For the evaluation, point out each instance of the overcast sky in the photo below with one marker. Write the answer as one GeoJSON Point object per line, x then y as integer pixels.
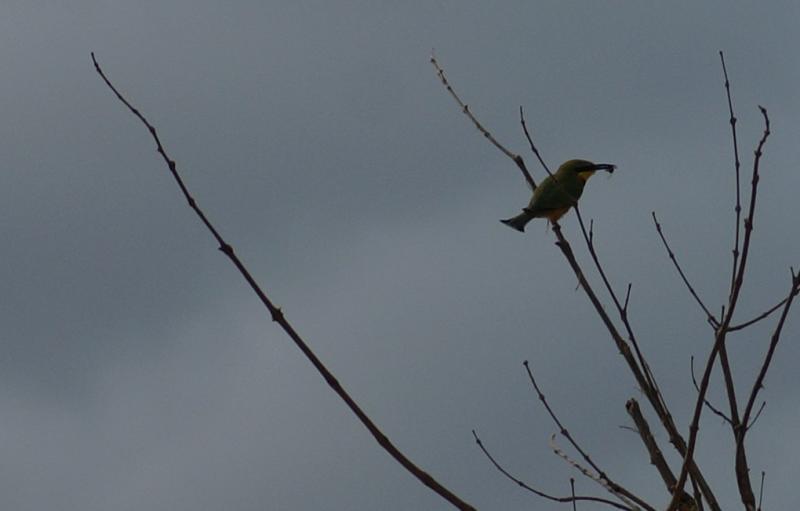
{"type": "Point", "coordinates": [137, 369]}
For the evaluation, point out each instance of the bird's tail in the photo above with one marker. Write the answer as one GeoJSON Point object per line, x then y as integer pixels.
{"type": "Point", "coordinates": [518, 222]}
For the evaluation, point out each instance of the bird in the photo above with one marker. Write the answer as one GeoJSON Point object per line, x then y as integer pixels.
{"type": "Point", "coordinates": [558, 192]}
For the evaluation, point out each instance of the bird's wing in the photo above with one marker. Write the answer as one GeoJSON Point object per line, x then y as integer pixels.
{"type": "Point", "coordinates": [557, 195]}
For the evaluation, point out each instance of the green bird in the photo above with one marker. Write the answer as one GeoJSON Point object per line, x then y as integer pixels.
{"type": "Point", "coordinates": [557, 193]}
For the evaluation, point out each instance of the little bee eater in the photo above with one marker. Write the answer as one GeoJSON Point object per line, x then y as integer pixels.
{"type": "Point", "coordinates": [557, 193]}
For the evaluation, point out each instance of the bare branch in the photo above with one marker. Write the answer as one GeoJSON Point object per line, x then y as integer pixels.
{"type": "Point", "coordinates": [517, 159]}
{"type": "Point", "coordinates": [737, 165]}
{"type": "Point", "coordinates": [745, 488]}
{"type": "Point", "coordinates": [651, 390]}
{"type": "Point", "coordinates": [757, 415]}
{"type": "Point", "coordinates": [710, 317]}
{"type": "Point", "coordinates": [626, 498]}
{"type": "Point", "coordinates": [711, 407]}
{"type": "Point", "coordinates": [653, 397]}
{"type": "Point", "coordinates": [627, 297]}
{"type": "Point", "coordinates": [761, 316]}
{"type": "Point", "coordinates": [540, 493]}
{"type": "Point", "coordinates": [656, 457]}
{"type": "Point", "coordinates": [616, 487]}
{"type": "Point", "coordinates": [278, 317]}
{"type": "Point", "coordinates": [564, 432]}
{"type": "Point", "coordinates": [572, 492]}
{"type": "Point", "coordinates": [776, 335]}
{"type": "Point", "coordinates": [698, 496]}
{"type": "Point", "coordinates": [533, 147]}
{"type": "Point", "coordinates": [651, 385]}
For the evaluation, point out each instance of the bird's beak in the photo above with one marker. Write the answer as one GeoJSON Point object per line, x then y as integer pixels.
{"type": "Point", "coordinates": [604, 166]}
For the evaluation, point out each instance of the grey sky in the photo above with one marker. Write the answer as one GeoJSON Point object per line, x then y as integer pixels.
{"type": "Point", "coordinates": [139, 372]}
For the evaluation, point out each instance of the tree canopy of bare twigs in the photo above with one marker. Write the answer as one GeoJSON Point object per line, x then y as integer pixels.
{"type": "Point", "coordinates": [625, 341]}
{"type": "Point", "coordinates": [743, 398]}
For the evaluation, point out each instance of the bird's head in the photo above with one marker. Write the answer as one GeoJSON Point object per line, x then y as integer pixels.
{"type": "Point", "coordinates": [584, 168]}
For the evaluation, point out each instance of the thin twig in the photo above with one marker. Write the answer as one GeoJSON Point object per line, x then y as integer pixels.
{"type": "Point", "coordinates": [465, 108]}
{"type": "Point", "coordinates": [278, 317]}
{"type": "Point", "coordinates": [564, 432]}
{"type": "Point", "coordinates": [711, 407]}
{"type": "Point", "coordinates": [652, 386]}
{"type": "Point", "coordinates": [737, 165]}
{"type": "Point", "coordinates": [776, 335]}
{"type": "Point", "coordinates": [710, 317]}
{"type": "Point", "coordinates": [698, 495]}
{"type": "Point", "coordinates": [572, 492]}
{"type": "Point", "coordinates": [757, 415]}
{"type": "Point", "coordinates": [530, 141]}
{"type": "Point", "coordinates": [627, 297]}
{"type": "Point", "coordinates": [531, 489]}
{"type": "Point", "coordinates": [758, 318]}
{"type": "Point", "coordinates": [761, 491]}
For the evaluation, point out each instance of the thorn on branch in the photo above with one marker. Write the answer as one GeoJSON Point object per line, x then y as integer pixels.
{"type": "Point", "coordinates": [226, 249]}
{"type": "Point", "coordinates": [277, 315]}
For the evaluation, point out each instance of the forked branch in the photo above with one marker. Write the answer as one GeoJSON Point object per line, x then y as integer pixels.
{"type": "Point", "coordinates": [602, 476]}
{"type": "Point", "coordinates": [522, 484]}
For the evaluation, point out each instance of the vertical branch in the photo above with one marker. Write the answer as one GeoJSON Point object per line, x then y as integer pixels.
{"type": "Point", "coordinates": [277, 316]}
{"type": "Point", "coordinates": [737, 165]}
{"type": "Point", "coordinates": [572, 492]}
{"type": "Point", "coordinates": [743, 478]}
